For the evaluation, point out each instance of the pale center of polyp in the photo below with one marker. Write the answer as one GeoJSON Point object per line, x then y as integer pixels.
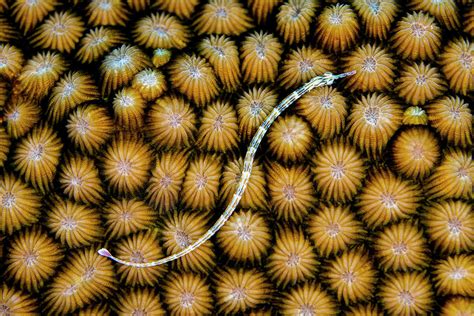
{"type": "Point", "coordinates": [124, 168]}
{"type": "Point", "coordinates": [8, 200]}
{"type": "Point", "coordinates": [326, 102]}
{"type": "Point", "coordinates": [70, 290]}
{"type": "Point", "coordinates": [374, 6]}
{"type": "Point", "coordinates": [187, 300]}
{"type": "Point", "coordinates": [137, 257]}
{"type": "Point", "coordinates": [306, 310]}
{"type": "Point", "coordinates": [161, 31]}
{"type": "Point", "coordinates": [182, 239]}
{"type": "Point", "coordinates": [466, 60]}
{"type": "Point", "coordinates": [59, 29]}
{"type": "Point", "coordinates": [335, 18]}
{"type": "Point", "coordinates": [194, 72]}
{"type": "Point", "coordinates": [256, 108]}
{"type": "Point", "coordinates": [126, 101]}
{"type": "Point", "coordinates": [260, 50]}
{"type": "Point", "coordinates": [4, 309]}
{"type": "Point", "coordinates": [305, 65]}
{"type": "Point", "coordinates": [332, 230]}
{"type": "Point", "coordinates": [68, 89]}
{"type": "Point", "coordinates": [201, 181]}
{"type": "Point", "coordinates": [369, 64]}
{"type": "Point", "coordinates": [400, 249]}
{"type": "Point", "coordinates": [289, 192]}
{"type": "Point", "coordinates": [221, 13]}
{"type": "Point", "coordinates": [82, 126]}
{"type": "Point", "coordinates": [293, 260]}
{"type": "Point", "coordinates": [417, 151]}
{"type": "Point", "coordinates": [348, 277]}
{"type": "Point", "coordinates": [120, 62]}
{"type": "Point", "coordinates": [458, 273]}
{"type": "Point", "coordinates": [165, 181]}
{"type": "Point", "coordinates": [243, 232]}
{"type": "Point", "coordinates": [36, 153]}
{"type": "Point", "coordinates": [30, 259]}
{"type": "Point", "coordinates": [3, 61]}
{"type": "Point", "coordinates": [418, 30]}
{"type": "Point", "coordinates": [175, 120]}
{"type": "Point", "coordinates": [454, 226]}
{"type": "Point", "coordinates": [388, 200]}
{"type": "Point", "coordinates": [88, 273]}
{"type": "Point", "coordinates": [406, 298]}
{"type": "Point", "coordinates": [148, 79]}
{"type": "Point", "coordinates": [238, 294]}
{"type": "Point", "coordinates": [337, 171]}
{"type": "Point", "coordinates": [68, 224]}
{"type": "Point", "coordinates": [76, 181]}
{"type": "Point", "coordinates": [105, 5]}
{"type": "Point", "coordinates": [43, 68]}
{"type": "Point", "coordinates": [371, 115]}
{"type": "Point", "coordinates": [421, 80]}
{"type": "Point", "coordinates": [218, 123]}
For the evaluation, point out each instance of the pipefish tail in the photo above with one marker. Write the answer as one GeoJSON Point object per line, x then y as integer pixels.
{"type": "Point", "coordinates": [324, 80]}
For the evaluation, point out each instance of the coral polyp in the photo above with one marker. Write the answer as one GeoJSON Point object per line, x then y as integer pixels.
{"type": "Point", "coordinates": [161, 31]}
{"type": "Point", "coordinates": [333, 228]}
{"type": "Point", "coordinates": [179, 230]}
{"type": "Point", "coordinates": [260, 53]}
{"type": "Point", "coordinates": [337, 28]}
{"type": "Point", "coordinates": [239, 290]}
{"type": "Point", "coordinates": [37, 157]}
{"type": "Point", "coordinates": [166, 180]}
{"type": "Point", "coordinates": [338, 170]}
{"type": "Point", "coordinates": [194, 77]}
{"type": "Point", "coordinates": [294, 18]}
{"type": "Point", "coordinates": [218, 131]}
{"type": "Point", "coordinates": [140, 247]}
{"type": "Point", "coordinates": [452, 118]}
{"type": "Point", "coordinates": [20, 204]}
{"type": "Point", "coordinates": [171, 122]}
{"type": "Point", "coordinates": [245, 236]}
{"type": "Point", "coordinates": [387, 198]}
{"type": "Point", "coordinates": [417, 36]}
{"type": "Point", "coordinates": [415, 152]}
{"type": "Point", "coordinates": [450, 225]}
{"type": "Point", "coordinates": [227, 17]}
{"type": "Point", "coordinates": [373, 120]}
{"type": "Point", "coordinates": [290, 138]}
{"type": "Point", "coordinates": [293, 258]}
{"type": "Point", "coordinates": [352, 276]}
{"type": "Point", "coordinates": [60, 32]}
{"type": "Point", "coordinates": [186, 292]}
{"type": "Point", "coordinates": [291, 191]}
{"type": "Point", "coordinates": [303, 64]}
{"type": "Point", "coordinates": [375, 68]}
{"type": "Point", "coordinates": [457, 64]}
{"type": "Point", "coordinates": [125, 216]}
{"type": "Point", "coordinates": [326, 109]}
{"type": "Point", "coordinates": [32, 258]}
{"type": "Point", "coordinates": [126, 164]}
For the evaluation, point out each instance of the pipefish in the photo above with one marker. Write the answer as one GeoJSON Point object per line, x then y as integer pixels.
{"type": "Point", "coordinates": [324, 80]}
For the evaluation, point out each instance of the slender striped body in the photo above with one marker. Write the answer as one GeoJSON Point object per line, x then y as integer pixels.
{"type": "Point", "coordinates": [326, 79]}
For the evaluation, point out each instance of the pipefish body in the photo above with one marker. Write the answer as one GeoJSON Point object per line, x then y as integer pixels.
{"type": "Point", "coordinates": [324, 80]}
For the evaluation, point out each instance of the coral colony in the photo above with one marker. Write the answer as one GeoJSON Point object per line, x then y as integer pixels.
{"type": "Point", "coordinates": [236, 157]}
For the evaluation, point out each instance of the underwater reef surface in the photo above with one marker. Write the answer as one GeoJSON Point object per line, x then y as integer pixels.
{"type": "Point", "coordinates": [124, 124]}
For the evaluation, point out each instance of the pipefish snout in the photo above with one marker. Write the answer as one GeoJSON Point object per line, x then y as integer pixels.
{"type": "Point", "coordinates": [324, 80]}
